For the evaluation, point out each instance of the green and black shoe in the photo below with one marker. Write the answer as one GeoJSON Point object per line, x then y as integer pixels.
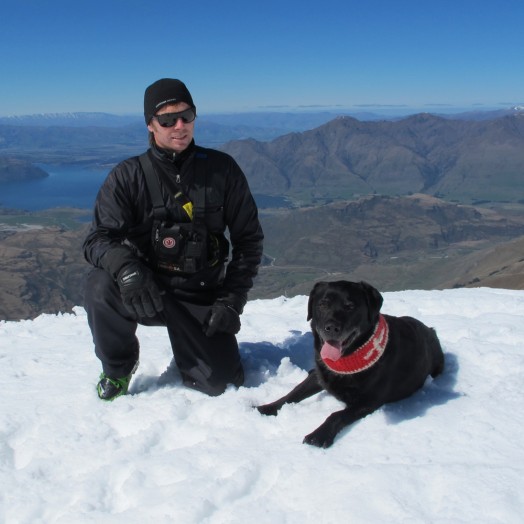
{"type": "Point", "coordinates": [110, 388]}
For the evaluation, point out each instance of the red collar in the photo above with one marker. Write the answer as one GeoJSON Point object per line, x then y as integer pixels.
{"type": "Point", "coordinates": [366, 355]}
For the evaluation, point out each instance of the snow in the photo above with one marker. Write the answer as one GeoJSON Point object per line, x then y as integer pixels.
{"type": "Point", "coordinates": [450, 454]}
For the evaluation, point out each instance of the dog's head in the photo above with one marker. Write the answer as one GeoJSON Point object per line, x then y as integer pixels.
{"type": "Point", "coordinates": [342, 315]}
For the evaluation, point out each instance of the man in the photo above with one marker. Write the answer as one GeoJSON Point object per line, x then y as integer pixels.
{"type": "Point", "coordinates": [162, 260]}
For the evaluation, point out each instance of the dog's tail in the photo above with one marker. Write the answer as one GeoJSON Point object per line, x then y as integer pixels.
{"type": "Point", "coordinates": [436, 354]}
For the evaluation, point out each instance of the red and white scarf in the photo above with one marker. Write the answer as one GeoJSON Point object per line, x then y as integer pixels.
{"type": "Point", "coordinates": [366, 355]}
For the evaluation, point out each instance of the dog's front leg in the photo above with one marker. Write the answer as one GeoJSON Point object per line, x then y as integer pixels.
{"type": "Point", "coordinates": [308, 387]}
{"type": "Point", "coordinates": [325, 434]}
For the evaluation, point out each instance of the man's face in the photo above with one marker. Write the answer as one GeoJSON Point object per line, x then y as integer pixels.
{"type": "Point", "coordinates": [177, 137]}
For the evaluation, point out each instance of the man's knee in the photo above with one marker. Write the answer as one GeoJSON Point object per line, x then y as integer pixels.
{"type": "Point", "coordinates": [102, 294]}
{"type": "Point", "coordinates": [204, 379]}
{"type": "Point", "coordinates": [99, 286]}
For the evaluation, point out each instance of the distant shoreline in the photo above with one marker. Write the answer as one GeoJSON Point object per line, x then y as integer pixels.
{"type": "Point", "coordinates": [13, 169]}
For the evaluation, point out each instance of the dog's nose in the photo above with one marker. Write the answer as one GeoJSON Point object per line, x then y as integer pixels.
{"type": "Point", "coordinates": [332, 328]}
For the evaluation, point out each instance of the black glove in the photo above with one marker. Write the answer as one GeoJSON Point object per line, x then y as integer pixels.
{"type": "Point", "coordinates": [140, 293]}
{"type": "Point", "coordinates": [221, 317]}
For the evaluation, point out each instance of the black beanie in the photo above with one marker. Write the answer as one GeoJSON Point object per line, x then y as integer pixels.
{"type": "Point", "coordinates": [163, 92]}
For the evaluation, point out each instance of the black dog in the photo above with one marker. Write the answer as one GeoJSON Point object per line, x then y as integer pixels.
{"type": "Point", "coordinates": [364, 358]}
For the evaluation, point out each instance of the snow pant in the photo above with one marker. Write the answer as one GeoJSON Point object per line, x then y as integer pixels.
{"type": "Point", "coordinates": [207, 364]}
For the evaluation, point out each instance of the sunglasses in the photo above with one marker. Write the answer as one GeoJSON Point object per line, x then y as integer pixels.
{"type": "Point", "coordinates": [170, 119]}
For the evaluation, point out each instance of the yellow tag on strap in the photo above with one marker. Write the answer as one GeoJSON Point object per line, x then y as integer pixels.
{"type": "Point", "coordinates": [186, 204]}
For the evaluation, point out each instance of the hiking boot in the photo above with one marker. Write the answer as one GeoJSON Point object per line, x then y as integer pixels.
{"type": "Point", "coordinates": [110, 388]}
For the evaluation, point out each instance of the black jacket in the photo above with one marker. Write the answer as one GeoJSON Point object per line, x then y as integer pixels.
{"type": "Point", "coordinates": [123, 221]}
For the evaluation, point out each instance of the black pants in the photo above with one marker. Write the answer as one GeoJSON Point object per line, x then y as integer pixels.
{"type": "Point", "coordinates": [207, 364]}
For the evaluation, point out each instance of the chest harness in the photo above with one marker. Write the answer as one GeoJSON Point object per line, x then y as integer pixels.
{"type": "Point", "coordinates": [182, 247]}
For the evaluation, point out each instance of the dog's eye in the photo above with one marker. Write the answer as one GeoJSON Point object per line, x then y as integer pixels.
{"type": "Point", "coordinates": [349, 306]}
{"type": "Point", "coordinates": [323, 304]}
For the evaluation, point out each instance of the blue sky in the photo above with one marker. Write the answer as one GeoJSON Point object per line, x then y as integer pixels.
{"type": "Point", "coordinates": [245, 55]}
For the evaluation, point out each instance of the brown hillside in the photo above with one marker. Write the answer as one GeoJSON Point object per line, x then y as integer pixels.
{"type": "Point", "coordinates": [458, 160]}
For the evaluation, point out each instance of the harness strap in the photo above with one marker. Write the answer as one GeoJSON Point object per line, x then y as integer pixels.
{"type": "Point", "coordinates": [199, 205]}
{"type": "Point", "coordinates": [154, 184]}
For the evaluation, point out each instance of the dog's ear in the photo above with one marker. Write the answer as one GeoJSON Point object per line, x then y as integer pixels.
{"type": "Point", "coordinates": [373, 298]}
{"type": "Point", "coordinates": [311, 300]}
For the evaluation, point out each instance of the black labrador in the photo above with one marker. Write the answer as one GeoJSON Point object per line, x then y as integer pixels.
{"type": "Point", "coordinates": [363, 357]}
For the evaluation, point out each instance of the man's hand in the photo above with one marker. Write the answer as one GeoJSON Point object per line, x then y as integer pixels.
{"type": "Point", "coordinates": [140, 293]}
{"type": "Point", "coordinates": [222, 317]}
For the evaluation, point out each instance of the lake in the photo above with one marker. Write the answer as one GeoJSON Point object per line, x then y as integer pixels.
{"type": "Point", "coordinates": [66, 186]}
{"type": "Point", "coordinates": [74, 186]}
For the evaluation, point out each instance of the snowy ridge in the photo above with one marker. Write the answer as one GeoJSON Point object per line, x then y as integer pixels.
{"type": "Point", "coordinates": [450, 454]}
{"type": "Point", "coordinates": [74, 119]}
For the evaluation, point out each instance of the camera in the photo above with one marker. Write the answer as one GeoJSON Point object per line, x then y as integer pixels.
{"type": "Point", "coordinates": [179, 248]}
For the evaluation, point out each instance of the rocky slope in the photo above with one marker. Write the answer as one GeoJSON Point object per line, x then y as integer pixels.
{"type": "Point", "coordinates": [42, 271]}
{"type": "Point", "coordinates": [396, 243]}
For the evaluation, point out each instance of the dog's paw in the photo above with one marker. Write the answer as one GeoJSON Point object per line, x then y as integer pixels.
{"type": "Point", "coordinates": [319, 439]}
{"type": "Point", "coordinates": [268, 409]}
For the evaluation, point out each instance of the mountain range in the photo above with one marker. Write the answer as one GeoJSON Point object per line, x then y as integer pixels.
{"type": "Point", "coordinates": [102, 137]}
{"type": "Point", "coordinates": [422, 202]}
{"type": "Point", "coordinates": [458, 160]}
{"type": "Point", "coordinates": [282, 121]}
